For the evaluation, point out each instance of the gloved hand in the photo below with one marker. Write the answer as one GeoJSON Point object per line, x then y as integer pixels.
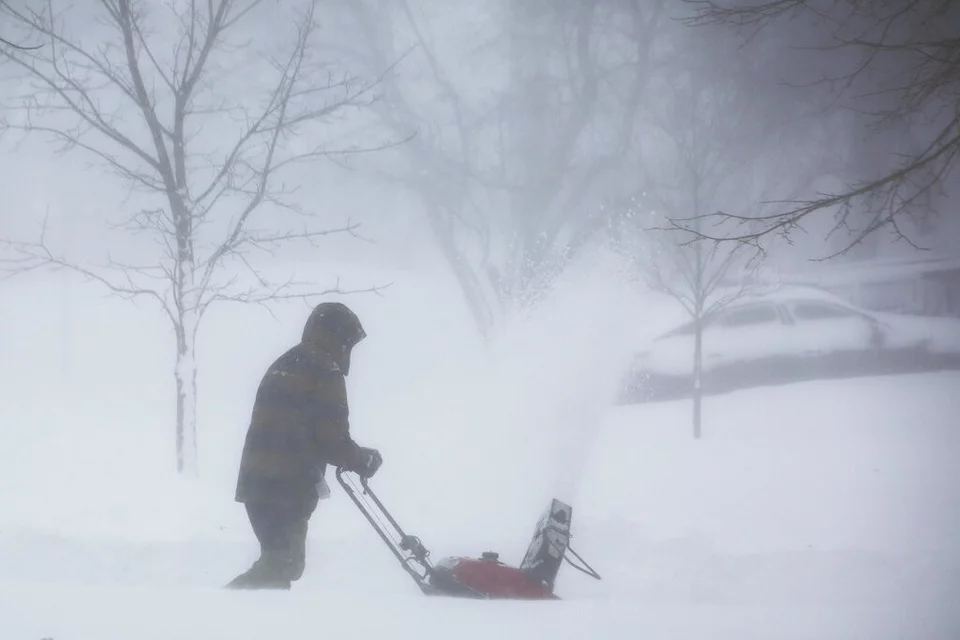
{"type": "Point", "coordinates": [368, 463]}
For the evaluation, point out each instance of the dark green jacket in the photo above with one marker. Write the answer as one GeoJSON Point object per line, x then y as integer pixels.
{"type": "Point", "coordinates": [299, 424]}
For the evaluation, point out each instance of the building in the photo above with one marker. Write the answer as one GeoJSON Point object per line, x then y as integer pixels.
{"type": "Point", "coordinates": [923, 286]}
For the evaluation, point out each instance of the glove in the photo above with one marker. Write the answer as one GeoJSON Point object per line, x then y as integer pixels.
{"type": "Point", "coordinates": [369, 461]}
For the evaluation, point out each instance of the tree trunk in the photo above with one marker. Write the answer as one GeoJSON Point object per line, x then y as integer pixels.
{"type": "Point", "coordinates": [187, 319]}
{"type": "Point", "coordinates": [468, 279]}
{"type": "Point", "coordinates": [701, 301]}
{"type": "Point", "coordinates": [697, 374]}
{"type": "Point", "coordinates": [185, 373]}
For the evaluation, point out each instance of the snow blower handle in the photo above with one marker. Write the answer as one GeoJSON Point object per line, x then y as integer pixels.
{"type": "Point", "coordinates": [414, 546]}
{"type": "Point", "coordinates": [396, 539]}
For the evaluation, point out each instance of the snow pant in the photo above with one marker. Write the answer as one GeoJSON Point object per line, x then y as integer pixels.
{"type": "Point", "coordinates": [282, 534]}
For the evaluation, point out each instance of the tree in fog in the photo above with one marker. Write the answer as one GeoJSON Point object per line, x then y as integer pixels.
{"type": "Point", "coordinates": [896, 66]}
{"type": "Point", "coordinates": [708, 146]}
{"type": "Point", "coordinates": [698, 278]}
{"type": "Point", "coordinates": [171, 99]}
{"type": "Point", "coordinates": [8, 260]}
{"type": "Point", "coordinates": [522, 112]}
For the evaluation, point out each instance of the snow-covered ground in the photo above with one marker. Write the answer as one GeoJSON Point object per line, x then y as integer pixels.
{"type": "Point", "coordinates": [818, 510]}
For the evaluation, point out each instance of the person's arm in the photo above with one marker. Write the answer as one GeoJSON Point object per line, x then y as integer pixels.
{"type": "Point", "coordinates": [329, 426]}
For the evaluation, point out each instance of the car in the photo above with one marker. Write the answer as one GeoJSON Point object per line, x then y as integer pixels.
{"type": "Point", "coordinates": [790, 334]}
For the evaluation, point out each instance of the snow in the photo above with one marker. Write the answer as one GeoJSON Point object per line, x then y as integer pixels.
{"type": "Point", "coordinates": [825, 509]}
{"type": "Point", "coordinates": [152, 614]}
{"type": "Point", "coordinates": [673, 354]}
{"type": "Point", "coordinates": [940, 334]}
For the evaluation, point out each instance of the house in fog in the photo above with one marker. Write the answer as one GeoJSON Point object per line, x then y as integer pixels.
{"type": "Point", "coordinates": [924, 286]}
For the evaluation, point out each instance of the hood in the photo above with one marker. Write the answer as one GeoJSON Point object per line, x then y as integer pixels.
{"type": "Point", "coordinates": [320, 334]}
{"type": "Point", "coordinates": [323, 341]}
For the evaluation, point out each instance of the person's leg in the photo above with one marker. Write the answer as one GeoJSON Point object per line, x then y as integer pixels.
{"type": "Point", "coordinates": [282, 533]}
{"type": "Point", "coordinates": [269, 526]}
{"type": "Point", "coordinates": [292, 556]}
{"type": "Point", "coordinates": [292, 540]}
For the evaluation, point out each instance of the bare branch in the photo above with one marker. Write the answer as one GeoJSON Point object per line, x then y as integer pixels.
{"type": "Point", "coordinates": [267, 294]}
{"type": "Point", "coordinates": [33, 256]}
{"type": "Point", "coordinates": [18, 46]}
{"type": "Point", "coordinates": [896, 192]}
{"type": "Point", "coordinates": [908, 71]}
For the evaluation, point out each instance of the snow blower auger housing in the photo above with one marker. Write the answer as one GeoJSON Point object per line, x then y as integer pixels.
{"type": "Point", "coordinates": [484, 577]}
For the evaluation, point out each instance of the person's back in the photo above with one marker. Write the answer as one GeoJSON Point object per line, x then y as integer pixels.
{"type": "Point", "coordinates": [277, 464]}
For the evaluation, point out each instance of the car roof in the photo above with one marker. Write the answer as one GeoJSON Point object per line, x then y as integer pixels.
{"type": "Point", "coordinates": [788, 293]}
{"type": "Point", "coordinates": [784, 294]}
{"type": "Point", "coordinates": [776, 294]}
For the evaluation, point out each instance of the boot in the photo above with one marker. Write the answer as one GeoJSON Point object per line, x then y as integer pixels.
{"type": "Point", "coordinates": [266, 573]}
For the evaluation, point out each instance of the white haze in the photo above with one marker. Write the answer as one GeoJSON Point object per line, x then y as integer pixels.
{"type": "Point", "coordinates": [826, 509]}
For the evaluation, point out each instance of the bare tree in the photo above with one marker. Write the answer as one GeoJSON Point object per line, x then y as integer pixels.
{"type": "Point", "coordinates": [697, 277]}
{"type": "Point", "coordinates": [897, 65]}
{"type": "Point", "coordinates": [510, 157]}
{"type": "Point", "coordinates": [139, 102]}
{"type": "Point", "coordinates": [707, 139]}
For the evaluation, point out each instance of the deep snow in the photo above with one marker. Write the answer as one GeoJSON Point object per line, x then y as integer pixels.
{"type": "Point", "coordinates": [817, 510]}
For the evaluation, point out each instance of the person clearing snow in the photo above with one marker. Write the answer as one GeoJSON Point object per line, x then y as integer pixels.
{"type": "Point", "coordinates": [299, 425]}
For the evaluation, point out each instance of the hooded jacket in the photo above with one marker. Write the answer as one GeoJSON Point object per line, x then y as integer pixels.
{"type": "Point", "coordinates": [299, 423]}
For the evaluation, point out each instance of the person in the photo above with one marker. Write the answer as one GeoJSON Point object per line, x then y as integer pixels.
{"type": "Point", "coordinates": [299, 425]}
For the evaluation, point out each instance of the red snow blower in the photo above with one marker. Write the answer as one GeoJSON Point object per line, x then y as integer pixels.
{"type": "Point", "coordinates": [484, 577]}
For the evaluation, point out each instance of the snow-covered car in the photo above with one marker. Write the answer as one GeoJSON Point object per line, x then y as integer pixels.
{"type": "Point", "coordinates": [791, 334]}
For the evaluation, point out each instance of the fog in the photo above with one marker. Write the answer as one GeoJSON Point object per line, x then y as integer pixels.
{"type": "Point", "coordinates": [554, 220]}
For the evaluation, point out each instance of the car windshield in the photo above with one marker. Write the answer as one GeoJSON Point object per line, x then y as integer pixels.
{"type": "Point", "coordinates": [738, 317]}
{"type": "Point", "coordinates": [810, 310]}
{"type": "Point", "coordinates": [747, 316]}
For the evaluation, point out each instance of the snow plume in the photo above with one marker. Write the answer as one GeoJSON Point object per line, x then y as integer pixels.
{"type": "Point", "coordinates": [528, 413]}
{"type": "Point", "coordinates": [560, 367]}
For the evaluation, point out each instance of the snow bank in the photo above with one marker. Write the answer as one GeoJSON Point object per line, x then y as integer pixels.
{"type": "Point", "coordinates": [155, 614]}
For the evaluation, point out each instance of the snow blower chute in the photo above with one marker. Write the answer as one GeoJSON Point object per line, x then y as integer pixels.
{"type": "Point", "coordinates": [484, 577]}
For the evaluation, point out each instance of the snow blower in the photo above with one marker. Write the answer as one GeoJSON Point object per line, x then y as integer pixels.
{"type": "Point", "coordinates": [485, 577]}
